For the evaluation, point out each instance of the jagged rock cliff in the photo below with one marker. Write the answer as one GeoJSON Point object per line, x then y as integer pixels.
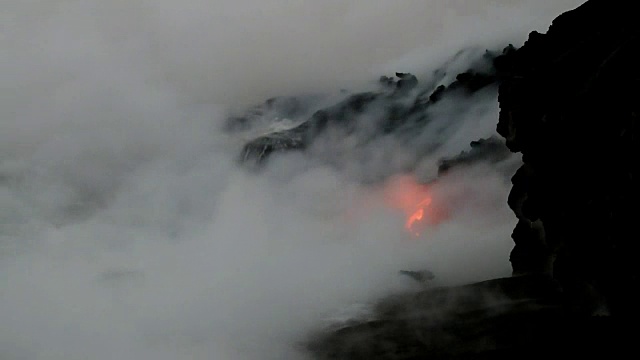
{"type": "Point", "coordinates": [569, 102]}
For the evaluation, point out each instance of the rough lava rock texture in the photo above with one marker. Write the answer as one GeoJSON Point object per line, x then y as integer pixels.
{"type": "Point", "coordinates": [569, 102]}
{"type": "Point", "coordinates": [491, 149]}
{"type": "Point", "coordinates": [400, 106]}
{"type": "Point", "coordinates": [521, 317]}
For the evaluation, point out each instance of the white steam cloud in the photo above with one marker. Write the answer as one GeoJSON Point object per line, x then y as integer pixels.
{"type": "Point", "coordinates": [127, 230]}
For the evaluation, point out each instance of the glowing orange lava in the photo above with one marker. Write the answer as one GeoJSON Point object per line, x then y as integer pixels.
{"type": "Point", "coordinates": [414, 199]}
{"type": "Point", "coordinates": [417, 215]}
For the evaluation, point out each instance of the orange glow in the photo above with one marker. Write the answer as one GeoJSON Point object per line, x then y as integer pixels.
{"type": "Point", "coordinates": [414, 199]}
{"type": "Point", "coordinates": [416, 216]}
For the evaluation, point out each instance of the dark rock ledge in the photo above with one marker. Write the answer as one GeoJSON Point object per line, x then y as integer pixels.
{"type": "Point", "coordinates": [401, 106]}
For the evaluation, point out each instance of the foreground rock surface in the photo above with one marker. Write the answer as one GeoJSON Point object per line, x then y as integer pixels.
{"type": "Point", "coordinates": [518, 317]}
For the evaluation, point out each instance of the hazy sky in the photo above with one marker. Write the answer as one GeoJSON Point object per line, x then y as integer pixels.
{"type": "Point", "coordinates": [252, 49]}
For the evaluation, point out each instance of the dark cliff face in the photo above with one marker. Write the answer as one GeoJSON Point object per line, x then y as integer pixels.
{"type": "Point", "coordinates": [569, 102]}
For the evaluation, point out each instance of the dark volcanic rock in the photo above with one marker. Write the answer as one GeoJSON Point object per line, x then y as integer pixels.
{"type": "Point", "coordinates": [418, 275]}
{"type": "Point", "coordinates": [569, 102]}
{"type": "Point", "coordinates": [299, 137]}
{"type": "Point", "coordinates": [407, 82]}
{"type": "Point", "coordinates": [399, 104]}
{"type": "Point", "coordinates": [510, 318]}
{"type": "Point", "coordinates": [259, 149]}
{"type": "Point", "coordinates": [282, 107]}
{"type": "Point", "coordinates": [491, 150]}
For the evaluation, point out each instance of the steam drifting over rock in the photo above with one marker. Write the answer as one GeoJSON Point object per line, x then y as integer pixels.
{"type": "Point", "coordinates": [130, 230]}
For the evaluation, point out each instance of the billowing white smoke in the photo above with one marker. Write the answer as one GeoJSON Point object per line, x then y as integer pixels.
{"type": "Point", "coordinates": [128, 232]}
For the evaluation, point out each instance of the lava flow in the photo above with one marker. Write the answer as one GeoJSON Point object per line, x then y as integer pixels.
{"type": "Point", "coordinates": [417, 215]}
{"type": "Point", "coordinates": [414, 199]}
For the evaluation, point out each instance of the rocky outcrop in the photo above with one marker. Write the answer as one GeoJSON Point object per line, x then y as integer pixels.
{"type": "Point", "coordinates": [256, 151]}
{"type": "Point", "coordinates": [400, 103]}
{"type": "Point", "coordinates": [491, 150]}
{"type": "Point", "coordinates": [520, 317]}
{"type": "Point", "coordinates": [282, 107]}
{"type": "Point", "coordinates": [569, 102]}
